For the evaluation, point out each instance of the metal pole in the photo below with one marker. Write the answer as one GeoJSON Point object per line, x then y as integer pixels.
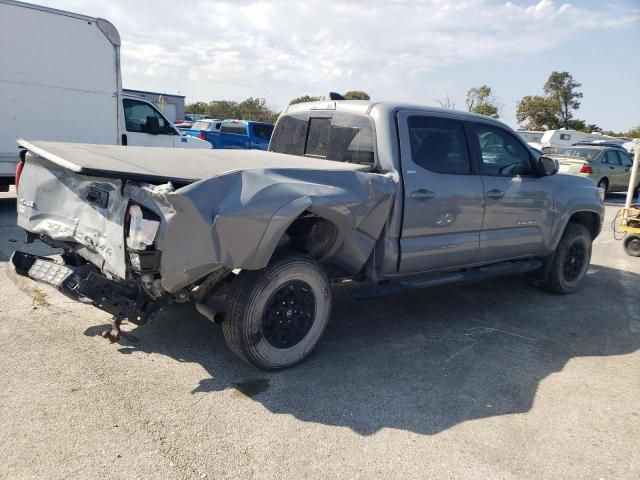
{"type": "Point", "coordinates": [634, 176]}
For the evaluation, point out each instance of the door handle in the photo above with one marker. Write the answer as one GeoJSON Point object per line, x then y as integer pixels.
{"type": "Point", "coordinates": [422, 194]}
{"type": "Point", "coordinates": [611, 168]}
{"type": "Point", "coordinates": [495, 193]}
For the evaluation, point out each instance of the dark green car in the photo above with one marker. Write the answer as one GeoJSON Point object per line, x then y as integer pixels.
{"type": "Point", "coordinates": [609, 167]}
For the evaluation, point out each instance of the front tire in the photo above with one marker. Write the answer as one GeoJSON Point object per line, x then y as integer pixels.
{"type": "Point", "coordinates": [570, 260]}
{"type": "Point", "coordinates": [277, 315]}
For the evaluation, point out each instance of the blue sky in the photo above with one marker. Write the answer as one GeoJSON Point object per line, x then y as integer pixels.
{"type": "Point", "coordinates": [407, 50]}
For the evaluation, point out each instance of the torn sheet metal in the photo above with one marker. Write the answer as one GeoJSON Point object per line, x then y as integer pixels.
{"type": "Point", "coordinates": [234, 217]}
{"type": "Point", "coordinates": [237, 219]}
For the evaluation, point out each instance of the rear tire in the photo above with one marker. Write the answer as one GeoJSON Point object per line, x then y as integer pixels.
{"type": "Point", "coordinates": [632, 245]}
{"type": "Point", "coordinates": [276, 316]}
{"type": "Point", "coordinates": [604, 184]}
{"type": "Point", "coordinates": [570, 260]}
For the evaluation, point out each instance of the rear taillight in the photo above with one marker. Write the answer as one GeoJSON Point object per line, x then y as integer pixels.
{"type": "Point", "coordinates": [201, 136]}
{"type": "Point", "coordinates": [19, 168]}
{"type": "Point", "coordinates": [586, 168]}
{"type": "Point", "coordinates": [142, 228]}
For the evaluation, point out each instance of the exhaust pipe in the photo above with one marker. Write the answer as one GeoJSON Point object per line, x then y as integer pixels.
{"type": "Point", "coordinates": [212, 309]}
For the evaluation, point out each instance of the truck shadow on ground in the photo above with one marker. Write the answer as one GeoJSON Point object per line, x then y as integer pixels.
{"type": "Point", "coordinates": [421, 362]}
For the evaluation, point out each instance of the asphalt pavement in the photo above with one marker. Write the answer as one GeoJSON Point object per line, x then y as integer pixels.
{"type": "Point", "coordinates": [493, 380]}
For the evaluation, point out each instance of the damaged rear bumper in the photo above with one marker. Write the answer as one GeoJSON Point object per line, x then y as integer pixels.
{"type": "Point", "coordinates": [85, 283]}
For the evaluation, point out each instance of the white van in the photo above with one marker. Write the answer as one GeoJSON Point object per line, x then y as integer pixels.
{"type": "Point", "coordinates": [60, 80]}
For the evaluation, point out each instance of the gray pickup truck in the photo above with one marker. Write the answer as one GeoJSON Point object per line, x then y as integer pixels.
{"type": "Point", "coordinates": [387, 196]}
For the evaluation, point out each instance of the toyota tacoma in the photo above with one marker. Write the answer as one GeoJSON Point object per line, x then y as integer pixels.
{"type": "Point", "coordinates": [387, 196]}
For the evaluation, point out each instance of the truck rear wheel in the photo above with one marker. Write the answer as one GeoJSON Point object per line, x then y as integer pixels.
{"type": "Point", "coordinates": [276, 316]}
{"type": "Point", "coordinates": [570, 260]}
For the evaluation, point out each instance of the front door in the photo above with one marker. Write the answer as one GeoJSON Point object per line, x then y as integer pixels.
{"type": "Point", "coordinates": [518, 212]}
{"type": "Point", "coordinates": [138, 118]}
{"type": "Point", "coordinates": [443, 198]}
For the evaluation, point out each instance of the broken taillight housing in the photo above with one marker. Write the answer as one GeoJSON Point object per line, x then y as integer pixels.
{"type": "Point", "coordinates": [142, 228]}
{"type": "Point", "coordinates": [19, 168]}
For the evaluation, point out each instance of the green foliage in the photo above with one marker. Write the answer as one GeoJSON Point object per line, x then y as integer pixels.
{"type": "Point", "coordinates": [481, 100]}
{"type": "Point", "coordinates": [198, 107]}
{"type": "Point", "coordinates": [562, 89]}
{"type": "Point", "coordinates": [554, 109]}
{"type": "Point", "coordinates": [535, 112]}
{"type": "Point", "coordinates": [356, 95]}
{"type": "Point", "coordinates": [249, 109]}
{"type": "Point", "coordinates": [631, 133]}
{"type": "Point", "coordinates": [303, 99]}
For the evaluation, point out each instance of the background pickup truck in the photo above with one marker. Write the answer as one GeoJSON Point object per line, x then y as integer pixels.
{"type": "Point", "coordinates": [391, 197]}
{"type": "Point", "coordinates": [239, 134]}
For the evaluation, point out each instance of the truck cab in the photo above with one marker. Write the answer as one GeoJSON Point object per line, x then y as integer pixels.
{"type": "Point", "coordinates": [240, 134]}
{"type": "Point", "coordinates": [144, 125]}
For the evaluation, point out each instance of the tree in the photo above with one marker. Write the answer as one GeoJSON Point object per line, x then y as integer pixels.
{"type": "Point", "coordinates": [356, 95]}
{"type": "Point", "coordinates": [448, 103]}
{"type": "Point", "coordinates": [197, 107]}
{"type": "Point", "coordinates": [535, 112]}
{"type": "Point", "coordinates": [304, 98]}
{"type": "Point", "coordinates": [480, 100]}
{"type": "Point", "coordinates": [561, 88]}
{"type": "Point", "coordinates": [223, 109]}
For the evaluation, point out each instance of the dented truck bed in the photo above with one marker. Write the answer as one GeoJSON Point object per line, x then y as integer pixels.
{"type": "Point", "coordinates": [215, 208]}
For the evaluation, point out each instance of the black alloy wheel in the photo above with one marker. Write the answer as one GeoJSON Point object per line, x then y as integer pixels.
{"type": "Point", "coordinates": [289, 314]}
{"type": "Point", "coordinates": [574, 261]}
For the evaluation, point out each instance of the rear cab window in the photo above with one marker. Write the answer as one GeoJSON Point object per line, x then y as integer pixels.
{"type": "Point", "coordinates": [338, 136]}
{"type": "Point", "coordinates": [235, 128]}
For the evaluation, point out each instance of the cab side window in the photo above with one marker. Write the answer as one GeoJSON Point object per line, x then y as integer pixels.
{"type": "Point", "coordinates": [502, 154]}
{"type": "Point", "coordinates": [138, 116]}
{"type": "Point", "coordinates": [439, 145]}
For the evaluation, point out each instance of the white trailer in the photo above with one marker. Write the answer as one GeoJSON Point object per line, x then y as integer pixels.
{"type": "Point", "coordinates": [60, 80]}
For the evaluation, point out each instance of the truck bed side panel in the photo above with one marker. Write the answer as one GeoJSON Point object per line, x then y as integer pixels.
{"type": "Point", "coordinates": [225, 220]}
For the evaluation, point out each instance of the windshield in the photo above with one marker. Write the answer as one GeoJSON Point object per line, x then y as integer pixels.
{"type": "Point", "coordinates": [586, 153]}
{"type": "Point", "coordinates": [532, 136]}
{"type": "Point", "coordinates": [200, 125]}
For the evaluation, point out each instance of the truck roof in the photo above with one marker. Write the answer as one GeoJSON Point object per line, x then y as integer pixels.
{"type": "Point", "coordinates": [364, 107]}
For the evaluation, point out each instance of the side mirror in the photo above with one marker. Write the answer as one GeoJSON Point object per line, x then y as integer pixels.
{"type": "Point", "coordinates": [152, 125]}
{"type": "Point", "coordinates": [547, 166]}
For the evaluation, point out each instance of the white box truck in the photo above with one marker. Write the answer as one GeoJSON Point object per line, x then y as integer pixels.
{"type": "Point", "coordinates": [60, 80]}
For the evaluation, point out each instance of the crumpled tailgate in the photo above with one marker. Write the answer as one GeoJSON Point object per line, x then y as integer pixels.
{"type": "Point", "coordinates": [86, 211]}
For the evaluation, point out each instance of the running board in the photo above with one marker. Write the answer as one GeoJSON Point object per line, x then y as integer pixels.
{"type": "Point", "coordinates": [468, 276]}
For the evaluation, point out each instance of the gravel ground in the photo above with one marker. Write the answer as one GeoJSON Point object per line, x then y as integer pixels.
{"type": "Point", "coordinates": [493, 380]}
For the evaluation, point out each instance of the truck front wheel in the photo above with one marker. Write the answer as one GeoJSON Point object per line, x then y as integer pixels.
{"type": "Point", "coordinates": [570, 260]}
{"type": "Point", "coordinates": [276, 316]}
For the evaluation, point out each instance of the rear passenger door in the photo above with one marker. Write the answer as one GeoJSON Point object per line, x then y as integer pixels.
{"type": "Point", "coordinates": [233, 134]}
{"type": "Point", "coordinates": [443, 198]}
{"type": "Point", "coordinates": [614, 169]}
{"type": "Point", "coordinates": [518, 211]}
